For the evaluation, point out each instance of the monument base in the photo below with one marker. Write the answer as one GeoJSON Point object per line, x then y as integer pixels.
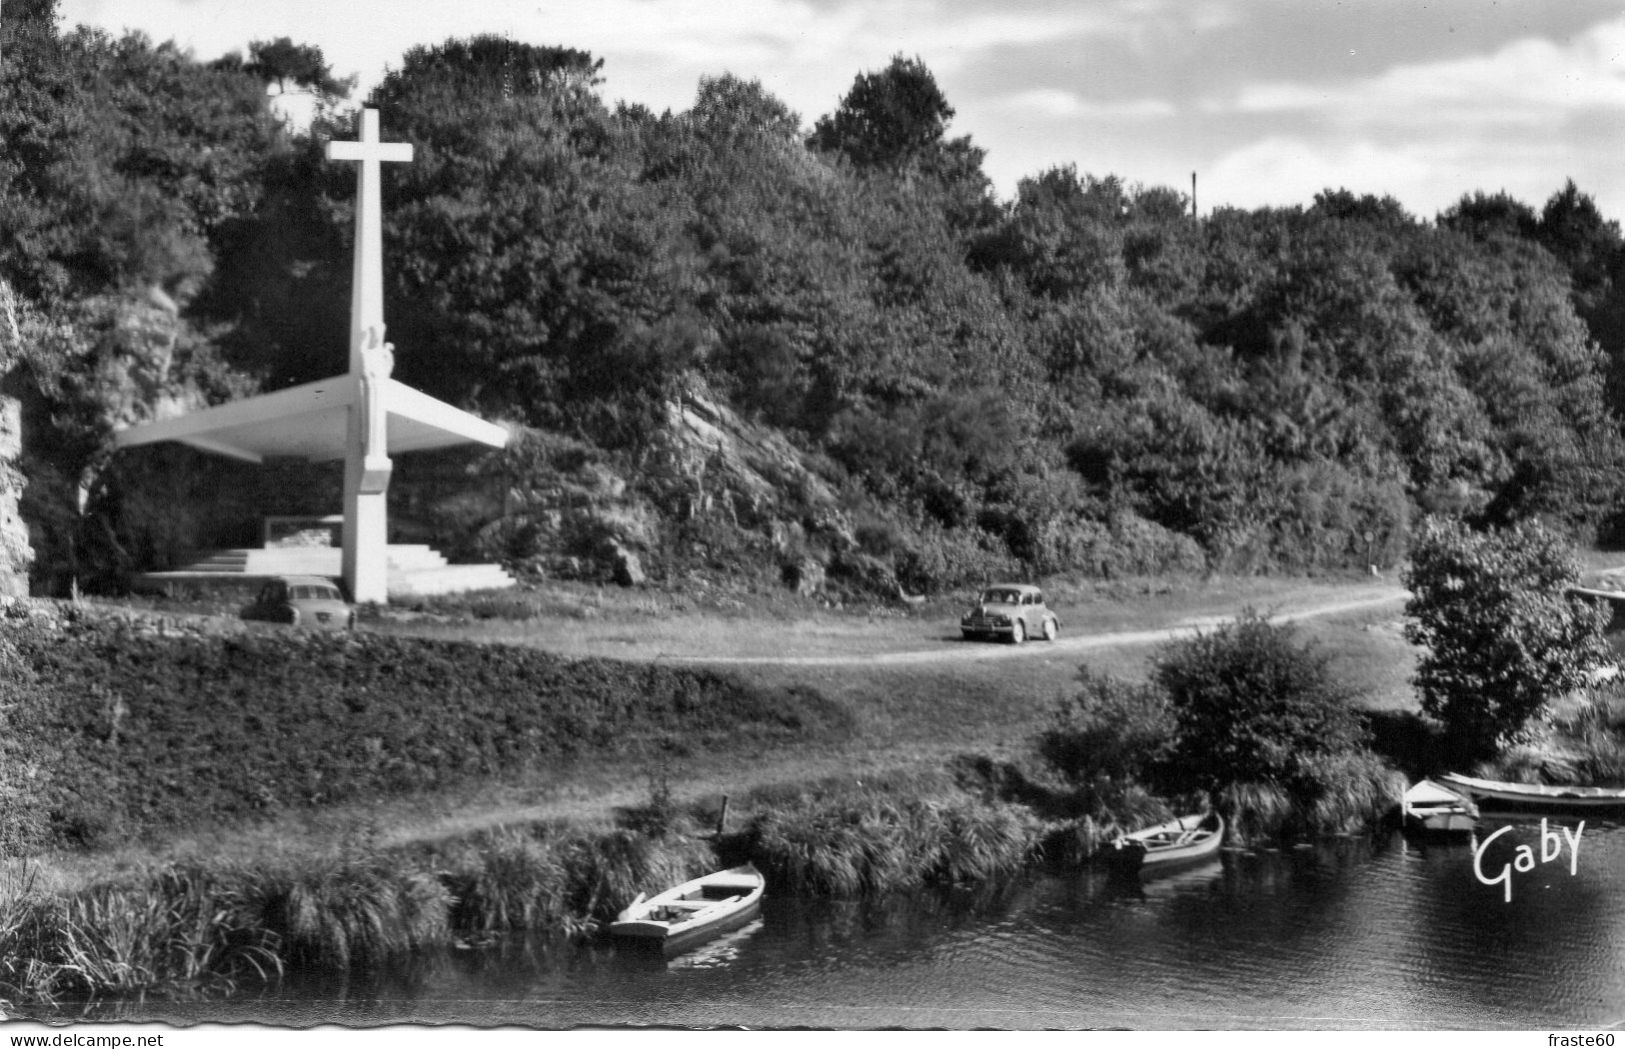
{"type": "Point", "coordinates": [414, 570]}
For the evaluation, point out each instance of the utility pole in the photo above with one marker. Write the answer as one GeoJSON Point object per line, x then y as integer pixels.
{"type": "Point", "coordinates": [1193, 194]}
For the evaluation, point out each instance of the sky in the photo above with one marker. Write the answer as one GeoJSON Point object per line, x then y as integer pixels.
{"type": "Point", "coordinates": [1267, 102]}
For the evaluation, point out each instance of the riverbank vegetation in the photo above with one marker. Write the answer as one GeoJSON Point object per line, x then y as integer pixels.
{"type": "Point", "coordinates": [1244, 717]}
{"type": "Point", "coordinates": [216, 924]}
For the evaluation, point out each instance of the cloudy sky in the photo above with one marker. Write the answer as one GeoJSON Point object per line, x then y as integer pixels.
{"type": "Point", "coordinates": [1267, 101]}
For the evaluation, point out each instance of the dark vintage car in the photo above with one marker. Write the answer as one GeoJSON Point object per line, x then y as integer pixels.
{"type": "Point", "coordinates": [1010, 610]}
{"type": "Point", "coordinates": [298, 600]}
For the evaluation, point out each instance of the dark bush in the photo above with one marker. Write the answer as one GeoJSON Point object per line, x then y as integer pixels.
{"type": "Point", "coordinates": [1253, 705]}
{"type": "Point", "coordinates": [1109, 728]}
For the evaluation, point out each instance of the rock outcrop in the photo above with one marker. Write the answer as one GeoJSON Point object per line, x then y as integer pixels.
{"type": "Point", "coordinates": [16, 554]}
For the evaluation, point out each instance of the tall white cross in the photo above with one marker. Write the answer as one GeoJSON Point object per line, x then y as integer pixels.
{"type": "Point", "coordinates": [366, 460]}
{"type": "Point", "coordinates": [367, 294]}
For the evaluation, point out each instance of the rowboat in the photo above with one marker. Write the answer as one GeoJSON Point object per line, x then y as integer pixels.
{"type": "Point", "coordinates": [1535, 797]}
{"type": "Point", "coordinates": [1434, 809]}
{"type": "Point", "coordinates": [692, 912]}
{"type": "Point", "coordinates": [1168, 844]}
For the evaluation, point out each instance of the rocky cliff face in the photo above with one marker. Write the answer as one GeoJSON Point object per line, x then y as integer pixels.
{"type": "Point", "coordinates": [16, 555]}
{"type": "Point", "coordinates": [711, 495]}
{"type": "Point", "coordinates": [750, 475]}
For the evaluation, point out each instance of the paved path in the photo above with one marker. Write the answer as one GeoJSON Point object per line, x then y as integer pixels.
{"type": "Point", "coordinates": [968, 650]}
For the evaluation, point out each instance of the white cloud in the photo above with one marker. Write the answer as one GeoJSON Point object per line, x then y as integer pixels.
{"type": "Point", "coordinates": [1050, 103]}
{"type": "Point", "coordinates": [1530, 81]}
{"type": "Point", "coordinates": [1427, 177]}
{"type": "Point", "coordinates": [1285, 168]}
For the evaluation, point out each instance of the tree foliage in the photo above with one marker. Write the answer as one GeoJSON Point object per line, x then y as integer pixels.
{"type": "Point", "coordinates": [1083, 377]}
{"type": "Point", "coordinates": [1253, 705]}
{"type": "Point", "coordinates": [1502, 634]}
{"type": "Point", "coordinates": [891, 118]}
{"type": "Point", "coordinates": [282, 61]}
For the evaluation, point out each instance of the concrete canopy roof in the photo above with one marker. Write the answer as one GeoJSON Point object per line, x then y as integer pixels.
{"type": "Point", "coordinates": [311, 422]}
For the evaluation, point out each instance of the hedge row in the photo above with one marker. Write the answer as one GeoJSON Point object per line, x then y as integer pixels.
{"type": "Point", "coordinates": [119, 728]}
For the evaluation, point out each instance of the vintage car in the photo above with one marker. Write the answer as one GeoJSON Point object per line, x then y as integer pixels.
{"type": "Point", "coordinates": [299, 600]}
{"type": "Point", "coordinates": [1010, 610]}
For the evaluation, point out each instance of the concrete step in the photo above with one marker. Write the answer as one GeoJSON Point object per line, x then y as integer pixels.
{"type": "Point", "coordinates": [415, 570]}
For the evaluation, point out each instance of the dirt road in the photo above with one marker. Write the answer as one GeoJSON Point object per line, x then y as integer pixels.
{"type": "Point", "coordinates": [954, 648]}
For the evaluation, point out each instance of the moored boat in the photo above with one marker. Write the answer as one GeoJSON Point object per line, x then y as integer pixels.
{"type": "Point", "coordinates": [1535, 797]}
{"type": "Point", "coordinates": [1168, 844]}
{"type": "Point", "coordinates": [693, 912]}
{"type": "Point", "coordinates": [1435, 809]}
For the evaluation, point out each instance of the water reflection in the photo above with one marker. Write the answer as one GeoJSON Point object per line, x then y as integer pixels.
{"type": "Point", "coordinates": [1354, 933]}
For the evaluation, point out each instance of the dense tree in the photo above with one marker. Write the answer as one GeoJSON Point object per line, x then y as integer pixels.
{"type": "Point", "coordinates": [1084, 377]}
{"type": "Point", "coordinates": [1502, 635]}
{"type": "Point", "coordinates": [1590, 247]}
{"type": "Point", "coordinates": [892, 118]}
{"type": "Point", "coordinates": [281, 61]}
{"type": "Point", "coordinates": [1252, 704]}
{"type": "Point", "coordinates": [896, 121]}
{"type": "Point", "coordinates": [1484, 216]}
{"type": "Point", "coordinates": [727, 108]}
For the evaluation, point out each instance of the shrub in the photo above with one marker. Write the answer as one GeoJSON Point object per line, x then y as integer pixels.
{"type": "Point", "coordinates": [1502, 635]}
{"type": "Point", "coordinates": [1109, 728]}
{"type": "Point", "coordinates": [1253, 705]}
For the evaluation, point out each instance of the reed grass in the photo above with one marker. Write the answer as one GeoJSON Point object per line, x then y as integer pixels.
{"type": "Point", "coordinates": [603, 873]}
{"type": "Point", "coordinates": [864, 843]}
{"type": "Point", "coordinates": [1348, 792]}
{"type": "Point", "coordinates": [1254, 812]}
{"type": "Point", "coordinates": [982, 843]}
{"type": "Point", "coordinates": [344, 912]}
{"type": "Point", "coordinates": [510, 879]}
{"type": "Point", "coordinates": [1582, 742]}
{"type": "Point", "coordinates": [182, 928]}
{"type": "Point", "coordinates": [1333, 794]}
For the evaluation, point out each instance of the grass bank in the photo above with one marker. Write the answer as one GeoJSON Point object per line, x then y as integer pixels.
{"type": "Point", "coordinates": [215, 925]}
{"type": "Point", "coordinates": [120, 726]}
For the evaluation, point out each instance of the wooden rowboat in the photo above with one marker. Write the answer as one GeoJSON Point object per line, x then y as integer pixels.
{"type": "Point", "coordinates": [1535, 797]}
{"type": "Point", "coordinates": [1168, 844]}
{"type": "Point", "coordinates": [693, 912]}
{"type": "Point", "coordinates": [1435, 809]}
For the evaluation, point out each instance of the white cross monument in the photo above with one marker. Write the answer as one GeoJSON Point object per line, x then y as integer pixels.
{"type": "Point", "coordinates": [366, 460]}
{"type": "Point", "coordinates": [360, 416]}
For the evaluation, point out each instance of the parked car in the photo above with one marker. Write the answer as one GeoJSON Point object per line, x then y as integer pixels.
{"type": "Point", "coordinates": [1010, 610]}
{"type": "Point", "coordinates": [301, 600]}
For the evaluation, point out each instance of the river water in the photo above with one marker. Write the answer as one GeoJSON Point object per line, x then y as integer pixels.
{"type": "Point", "coordinates": [1379, 932]}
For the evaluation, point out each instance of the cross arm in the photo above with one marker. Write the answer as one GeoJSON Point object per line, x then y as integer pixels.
{"type": "Point", "coordinates": [394, 151]}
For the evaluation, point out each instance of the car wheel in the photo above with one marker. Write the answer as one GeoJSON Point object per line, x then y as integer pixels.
{"type": "Point", "coordinates": [1050, 630]}
{"type": "Point", "coordinates": [1018, 632]}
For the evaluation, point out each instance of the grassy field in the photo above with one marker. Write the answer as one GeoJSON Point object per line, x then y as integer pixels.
{"type": "Point", "coordinates": [920, 694]}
